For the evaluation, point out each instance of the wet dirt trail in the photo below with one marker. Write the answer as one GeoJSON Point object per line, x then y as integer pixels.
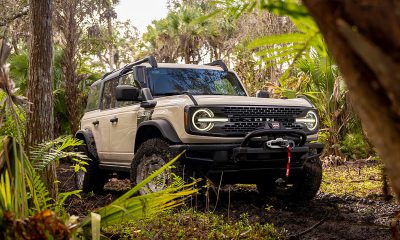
{"type": "Point", "coordinates": [336, 217]}
{"type": "Point", "coordinates": [326, 217]}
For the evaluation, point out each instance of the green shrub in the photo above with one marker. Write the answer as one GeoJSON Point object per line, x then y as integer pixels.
{"type": "Point", "coordinates": [8, 126]}
{"type": "Point", "coordinates": [355, 146]}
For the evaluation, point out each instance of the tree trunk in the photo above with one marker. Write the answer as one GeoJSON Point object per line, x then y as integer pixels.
{"type": "Point", "coordinates": [67, 12]}
{"type": "Point", "coordinates": [363, 38]}
{"type": "Point", "coordinates": [111, 47]}
{"type": "Point", "coordinates": [70, 75]}
{"type": "Point", "coordinates": [187, 57]}
{"type": "Point", "coordinates": [40, 84]}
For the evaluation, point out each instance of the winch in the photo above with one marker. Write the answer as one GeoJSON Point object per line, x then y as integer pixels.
{"type": "Point", "coordinates": [282, 143]}
{"type": "Point", "coordinates": [279, 143]}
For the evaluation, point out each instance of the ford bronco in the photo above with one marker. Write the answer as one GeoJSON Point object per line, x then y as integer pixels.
{"type": "Point", "coordinates": [142, 115]}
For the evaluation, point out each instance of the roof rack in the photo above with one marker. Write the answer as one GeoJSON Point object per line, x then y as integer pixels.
{"type": "Point", "coordinates": [218, 63]}
{"type": "Point", "coordinates": [108, 73]}
{"type": "Point", "coordinates": [150, 59]}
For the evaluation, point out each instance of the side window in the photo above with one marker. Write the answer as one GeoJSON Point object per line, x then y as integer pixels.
{"type": "Point", "coordinates": [109, 101]}
{"type": "Point", "coordinates": [93, 98]}
{"type": "Point", "coordinates": [128, 79]}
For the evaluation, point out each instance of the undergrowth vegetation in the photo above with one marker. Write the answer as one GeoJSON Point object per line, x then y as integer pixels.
{"type": "Point", "coordinates": [356, 179]}
{"type": "Point", "coordinates": [188, 224]}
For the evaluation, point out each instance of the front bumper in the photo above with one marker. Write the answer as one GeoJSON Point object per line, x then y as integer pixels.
{"type": "Point", "coordinates": [243, 161]}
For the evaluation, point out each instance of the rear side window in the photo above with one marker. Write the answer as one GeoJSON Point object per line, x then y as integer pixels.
{"type": "Point", "coordinates": [129, 79]}
{"type": "Point", "coordinates": [93, 98]}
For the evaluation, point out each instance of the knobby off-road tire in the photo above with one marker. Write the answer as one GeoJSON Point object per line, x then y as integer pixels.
{"type": "Point", "coordinates": [94, 178]}
{"type": "Point", "coordinates": [305, 187]}
{"type": "Point", "coordinates": [310, 181]}
{"type": "Point", "coordinates": [152, 155]}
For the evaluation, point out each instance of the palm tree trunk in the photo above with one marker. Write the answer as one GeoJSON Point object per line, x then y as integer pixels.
{"type": "Point", "coordinates": [67, 21]}
{"type": "Point", "coordinates": [110, 48]}
{"type": "Point", "coordinates": [40, 85]}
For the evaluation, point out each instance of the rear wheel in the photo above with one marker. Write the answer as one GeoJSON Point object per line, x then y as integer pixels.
{"type": "Point", "coordinates": [152, 155]}
{"type": "Point", "coordinates": [94, 178]}
{"type": "Point", "coordinates": [304, 188]}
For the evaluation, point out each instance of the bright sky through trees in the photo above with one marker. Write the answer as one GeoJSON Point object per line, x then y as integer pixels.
{"type": "Point", "coordinates": [141, 12]}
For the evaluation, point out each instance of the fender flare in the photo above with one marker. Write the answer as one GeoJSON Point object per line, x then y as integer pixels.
{"type": "Point", "coordinates": [87, 136]}
{"type": "Point", "coordinates": [165, 128]}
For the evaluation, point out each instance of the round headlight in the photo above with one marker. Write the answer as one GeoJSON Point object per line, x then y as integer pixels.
{"type": "Point", "coordinates": [202, 113]}
{"type": "Point", "coordinates": [311, 120]}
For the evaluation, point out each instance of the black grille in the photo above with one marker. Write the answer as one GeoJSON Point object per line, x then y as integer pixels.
{"type": "Point", "coordinates": [240, 127]}
{"type": "Point", "coordinates": [266, 112]}
{"type": "Point", "coordinates": [246, 119]}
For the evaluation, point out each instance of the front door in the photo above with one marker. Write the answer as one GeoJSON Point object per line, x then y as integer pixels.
{"type": "Point", "coordinates": [123, 129]}
{"type": "Point", "coordinates": [122, 134]}
{"type": "Point", "coordinates": [108, 108]}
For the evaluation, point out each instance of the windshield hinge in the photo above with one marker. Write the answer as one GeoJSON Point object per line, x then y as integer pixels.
{"type": "Point", "coordinates": [219, 63]}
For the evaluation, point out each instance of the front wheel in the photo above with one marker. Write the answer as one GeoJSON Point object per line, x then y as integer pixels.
{"type": "Point", "coordinates": [152, 155]}
{"type": "Point", "coordinates": [304, 188]}
{"type": "Point", "coordinates": [94, 178]}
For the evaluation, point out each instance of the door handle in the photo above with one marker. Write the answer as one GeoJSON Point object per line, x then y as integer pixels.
{"type": "Point", "coordinates": [96, 122]}
{"type": "Point", "coordinates": [114, 120]}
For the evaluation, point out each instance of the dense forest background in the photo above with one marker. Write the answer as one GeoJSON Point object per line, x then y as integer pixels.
{"type": "Point", "coordinates": [52, 51]}
{"type": "Point", "coordinates": [283, 55]}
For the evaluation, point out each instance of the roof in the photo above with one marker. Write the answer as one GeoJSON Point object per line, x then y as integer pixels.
{"type": "Point", "coordinates": [178, 65]}
{"type": "Point", "coordinates": [164, 65]}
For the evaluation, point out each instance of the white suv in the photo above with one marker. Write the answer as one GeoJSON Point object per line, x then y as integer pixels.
{"type": "Point", "coordinates": [140, 116]}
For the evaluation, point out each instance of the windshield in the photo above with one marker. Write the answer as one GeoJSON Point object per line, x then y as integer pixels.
{"type": "Point", "coordinates": [171, 81]}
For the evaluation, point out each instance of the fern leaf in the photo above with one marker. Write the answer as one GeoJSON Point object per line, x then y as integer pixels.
{"type": "Point", "coordinates": [48, 152]}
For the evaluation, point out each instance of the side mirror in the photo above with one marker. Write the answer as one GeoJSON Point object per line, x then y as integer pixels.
{"type": "Point", "coordinates": [262, 94]}
{"type": "Point", "coordinates": [127, 93]}
{"type": "Point", "coordinates": [147, 99]}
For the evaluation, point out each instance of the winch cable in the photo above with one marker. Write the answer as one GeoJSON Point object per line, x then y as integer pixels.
{"type": "Point", "coordinates": [283, 143]}
{"type": "Point", "coordinates": [289, 153]}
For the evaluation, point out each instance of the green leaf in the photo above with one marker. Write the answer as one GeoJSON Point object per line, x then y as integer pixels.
{"type": "Point", "coordinates": [205, 17]}
{"type": "Point", "coordinates": [278, 39]}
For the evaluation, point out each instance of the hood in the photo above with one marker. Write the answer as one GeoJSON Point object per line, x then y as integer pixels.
{"type": "Point", "coordinates": [251, 101]}
{"type": "Point", "coordinates": [231, 100]}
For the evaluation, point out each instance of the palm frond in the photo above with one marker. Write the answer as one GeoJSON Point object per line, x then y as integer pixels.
{"type": "Point", "coordinates": [14, 177]}
{"type": "Point", "coordinates": [137, 207]}
{"type": "Point", "coordinates": [279, 39]}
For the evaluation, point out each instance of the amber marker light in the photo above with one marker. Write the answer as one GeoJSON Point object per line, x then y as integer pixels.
{"type": "Point", "coordinates": [186, 119]}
